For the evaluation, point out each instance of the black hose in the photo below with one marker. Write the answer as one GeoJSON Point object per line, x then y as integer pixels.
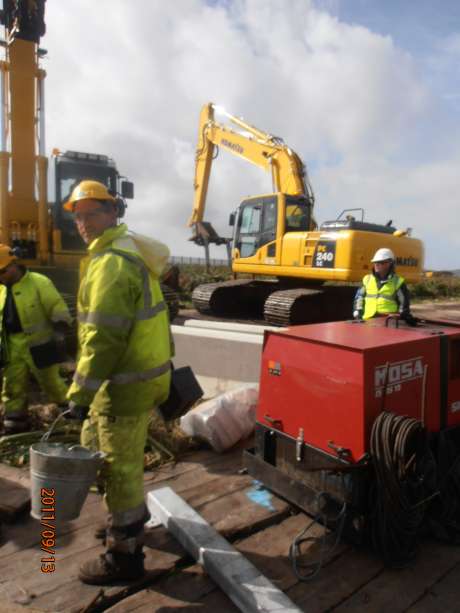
{"type": "Point", "coordinates": [306, 570]}
{"type": "Point", "coordinates": [399, 495]}
{"type": "Point", "coordinates": [443, 517]}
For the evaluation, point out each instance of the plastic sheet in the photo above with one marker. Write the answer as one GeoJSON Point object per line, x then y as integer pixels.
{"type": "Point", "coordinates": [225, 419]}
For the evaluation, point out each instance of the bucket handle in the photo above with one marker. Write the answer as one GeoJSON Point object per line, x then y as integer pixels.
{"type": "Point", "coordinates": [47, 434]}
{"type": "Point", "coordinates": [77, 448]}
{"type": "Point", "coordinates": [97, 455]}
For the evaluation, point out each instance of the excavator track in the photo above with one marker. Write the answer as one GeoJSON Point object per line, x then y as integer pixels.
{"type": "Point", "coordinates": [306, 305]}
{"type": "Point", "coordinates": [272, 301]}
{"type": "Point", "coordinates": [236, 298]}
{"type": "Point", "coordinates": [172, 301]}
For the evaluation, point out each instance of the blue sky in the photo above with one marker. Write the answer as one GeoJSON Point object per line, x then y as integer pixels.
{"type": "Point", "coordinates": [428, 30]}
{"type": "Point", "coordinates": [366, 92]}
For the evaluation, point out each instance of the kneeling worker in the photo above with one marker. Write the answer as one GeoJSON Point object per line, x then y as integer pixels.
{"type": "Point", "coordinates": [383, 291]}
{"type": "Point", "coordinates": [32, 313]}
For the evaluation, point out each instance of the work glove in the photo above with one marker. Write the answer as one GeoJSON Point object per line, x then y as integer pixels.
{"type": "Point", "coordinates": [76, 411]}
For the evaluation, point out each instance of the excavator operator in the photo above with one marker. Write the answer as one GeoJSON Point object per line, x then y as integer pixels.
{"type": "Point", "coordinates": [122, 372]}
{"type": "Point", "coordinates": [383, 291]}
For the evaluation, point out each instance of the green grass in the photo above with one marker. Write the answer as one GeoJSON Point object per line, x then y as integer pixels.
{"type": "Point", "coordinates": [436, 288]}
{"type": "Point", "coordinates": [192, 275]}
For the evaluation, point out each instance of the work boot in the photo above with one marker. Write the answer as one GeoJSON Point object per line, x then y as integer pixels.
{"type": "Point", "coordinates": [15, 424]}
{"type": "Point", "coordinates": [113, 567]}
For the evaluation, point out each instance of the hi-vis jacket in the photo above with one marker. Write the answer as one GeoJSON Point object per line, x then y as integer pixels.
{"type": "Point", "coordinates": [123, 332]}
{"type": "Point", "coordinates": [39, 306]}
{"type": "Point", "coordinates": [381, 297]}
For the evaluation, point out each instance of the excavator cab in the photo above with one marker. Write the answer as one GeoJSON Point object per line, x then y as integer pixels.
{"type": "Point", "coordinates": [69, 169]}
{"type": "Point", "coordinates": [262, 221]}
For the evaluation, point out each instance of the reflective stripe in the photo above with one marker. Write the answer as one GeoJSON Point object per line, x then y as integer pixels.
{"type": "Point", "coordinates": [130, 516]}
{"type": "Point", "coordinates": [390, 298]}
{"type": "Point", "coordinates": [145, 278]}
{"type": "Point", "coordinates": [151, 311]}
{"type": "Point", "coordinates": [123, 377]}
{"type": "Point", "coordinates": [104, 319]}
{"type": "Point", "coordinates": [136, 377]}
{"type": "Point", "coordinates": [86, 382]}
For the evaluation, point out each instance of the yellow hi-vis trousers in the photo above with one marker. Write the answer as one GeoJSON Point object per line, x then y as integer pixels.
{"type": "Point", "coordinates": [123, 440]}
{"type": "Point", "coordinates": [16, 375]}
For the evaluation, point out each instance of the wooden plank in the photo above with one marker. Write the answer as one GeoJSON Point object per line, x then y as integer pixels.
{"type": "Point", "coordinates": [442, 596]}
{"type": "Point", "coordinates": [189, 589]}
{"type": "Point", "coordinates": [203, 458]}
{"type": "Point", "coordinates": [243, 582]}
{"type": "Point", "coordinates": [26, 532]}
{"type": "Point", "coordinates": [17, 475]}
{"type": "Point", "coordinates": [336, 581]}
{"type": "Point", "coordinates": [14, 492]}
{"type": "Point", "coordinates": [183, 475]}
{"type": "Point", "coordinates": [192, 589]}
{"type": "Point", "coordinates": [14, 500]}
{"type": "Point", "coordinates": [21, 569]}
{"type": "Point", "coordinates": [410, 584]}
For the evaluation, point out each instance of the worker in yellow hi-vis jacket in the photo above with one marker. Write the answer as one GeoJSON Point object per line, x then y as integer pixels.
{"type": "Point", "coordinates": [33, 320]}
{"type": "Point", "coordinates": [383, 292]}
{"type": "Point", "coordinates": [122, 371]}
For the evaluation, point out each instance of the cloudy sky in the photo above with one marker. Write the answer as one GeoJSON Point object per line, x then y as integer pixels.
{"type": "Point", "coordinates": [366, 92]}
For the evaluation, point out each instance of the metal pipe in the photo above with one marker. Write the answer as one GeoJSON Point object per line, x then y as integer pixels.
{"type": "Point", "coordinates": [3, 119]}
{"type": "Point", "coordinates": [41, 113]}
{"type": "Point", "coordinates": [423, 400]}
{"type": "Point", "coordinates": [4, 157]}
{"type": "Point", "coordinates": [43, 247]}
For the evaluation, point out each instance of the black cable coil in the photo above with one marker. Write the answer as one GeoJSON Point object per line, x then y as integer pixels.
{"type": "Point", "coordinates": [403, 486]}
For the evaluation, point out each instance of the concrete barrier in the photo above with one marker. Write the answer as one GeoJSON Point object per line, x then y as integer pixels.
{"type": "Point", "coordinates": [222, 356]}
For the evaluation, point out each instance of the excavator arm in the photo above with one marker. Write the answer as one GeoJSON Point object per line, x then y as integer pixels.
{"type": "Point", "coordinates": [252, 145]}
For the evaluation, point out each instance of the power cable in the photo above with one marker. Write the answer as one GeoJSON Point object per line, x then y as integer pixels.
{"type": "Point", "coordinates": [400, 492]}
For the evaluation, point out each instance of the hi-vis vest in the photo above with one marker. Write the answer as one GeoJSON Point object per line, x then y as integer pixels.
{"type": "Point", "coordinates": [123, 331]}
{"type": "Point", "coordinates": [39, 305]}
{"type": "Point", "coordinates": [381, 301]}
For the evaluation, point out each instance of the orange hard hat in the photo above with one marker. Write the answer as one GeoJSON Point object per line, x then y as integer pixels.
{"type": "Point", "coordinates": [6, 255]}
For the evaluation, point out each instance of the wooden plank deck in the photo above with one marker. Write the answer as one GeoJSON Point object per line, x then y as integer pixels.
{"type": "Point", "coordinates": [14, 492]}
{"type": "Point", "coordinates": [261, 527]}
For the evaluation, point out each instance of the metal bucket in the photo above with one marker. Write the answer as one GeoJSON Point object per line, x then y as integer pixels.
{"type": "Point", "coordinates": [61, 476]}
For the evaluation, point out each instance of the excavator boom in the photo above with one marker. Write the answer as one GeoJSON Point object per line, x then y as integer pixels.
{"type": "Point", "coordinates": [252, 145]}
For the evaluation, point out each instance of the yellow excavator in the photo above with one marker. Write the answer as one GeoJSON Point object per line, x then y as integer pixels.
{"type": "Point", "coordinates": [29, 220]}
{"type": "Point", "coordinates": [292, 264]}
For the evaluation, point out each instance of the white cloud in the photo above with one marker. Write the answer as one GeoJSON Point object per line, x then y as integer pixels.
{"type": "Point", "coordinates": [129, 78]}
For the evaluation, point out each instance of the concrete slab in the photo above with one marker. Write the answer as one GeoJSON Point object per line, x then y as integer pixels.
{"type": "Point", "coordinates": [221, 359]}
{"type": "Point", "coordinates": [247, 587]}
{"type": "Point", "coordinates": [228, 326]}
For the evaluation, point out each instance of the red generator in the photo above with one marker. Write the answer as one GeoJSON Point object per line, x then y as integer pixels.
{"type": "Point", "coordinates": [324, 392]}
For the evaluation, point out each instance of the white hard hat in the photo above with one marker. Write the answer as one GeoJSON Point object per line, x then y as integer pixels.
{"type": "Point", "coordinates": [383, 254]}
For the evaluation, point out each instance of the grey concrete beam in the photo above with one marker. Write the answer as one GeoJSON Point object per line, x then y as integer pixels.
{"type": "Point", "coordinates": [221, 359]}
{"type": "Point", "coordinates": [243, 583]}
{"type": "Point", "coordinates": [228, 326]}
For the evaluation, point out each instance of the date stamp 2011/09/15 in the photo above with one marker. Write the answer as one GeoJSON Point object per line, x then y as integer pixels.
{"type": "Point", "coordinates": [48, 534]}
